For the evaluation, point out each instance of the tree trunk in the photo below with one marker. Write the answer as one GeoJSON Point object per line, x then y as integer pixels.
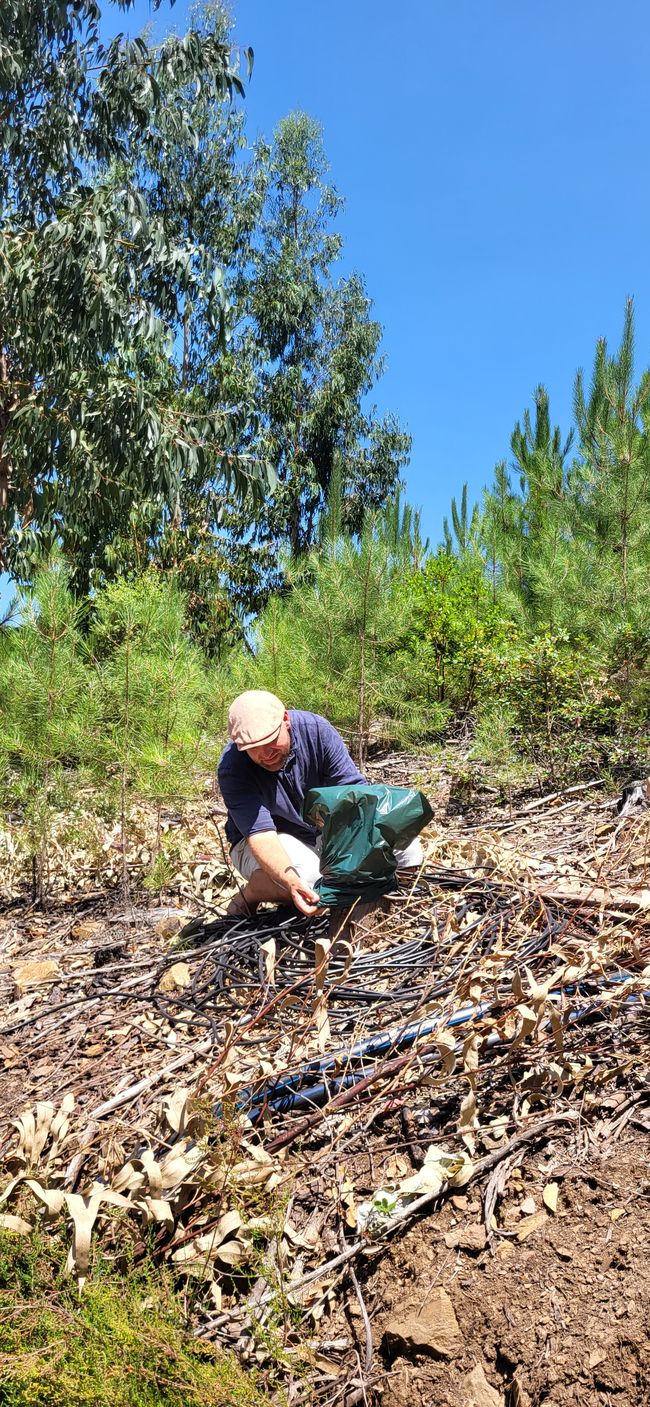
{"type": "Point", "coordinates": [8, 404]}
{"type": "Point", "coordinates": [124, 777]}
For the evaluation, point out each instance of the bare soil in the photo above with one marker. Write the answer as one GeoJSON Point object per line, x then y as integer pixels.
{"type": "Point", "coordinates": [560, 1317]}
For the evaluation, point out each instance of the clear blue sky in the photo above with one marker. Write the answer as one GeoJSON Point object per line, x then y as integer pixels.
{"type": "Point", "coordinates": [493, 159]}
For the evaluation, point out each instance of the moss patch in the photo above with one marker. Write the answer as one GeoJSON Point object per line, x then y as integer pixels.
{"type": "Point", "coordinates": [122, 1342]}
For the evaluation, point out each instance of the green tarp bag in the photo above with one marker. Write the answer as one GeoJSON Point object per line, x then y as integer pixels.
{"type": "Point", "coordinates": [361, 827]}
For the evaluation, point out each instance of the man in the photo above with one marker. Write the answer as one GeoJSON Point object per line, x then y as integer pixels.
{"type": "Point", "coordinates": [274, 758]}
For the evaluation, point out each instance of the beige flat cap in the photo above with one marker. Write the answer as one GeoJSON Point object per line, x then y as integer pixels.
{"type": "Point", "coordinates": [254, 718]}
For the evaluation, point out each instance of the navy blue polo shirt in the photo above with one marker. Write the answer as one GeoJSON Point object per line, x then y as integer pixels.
{"type": "Point", "coordinates": [258, 800]}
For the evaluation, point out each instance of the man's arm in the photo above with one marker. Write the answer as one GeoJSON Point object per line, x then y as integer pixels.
{"type": "Point", "coordinates": [267, 848]}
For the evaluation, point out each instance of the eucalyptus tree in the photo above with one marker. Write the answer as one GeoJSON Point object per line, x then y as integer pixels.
{"type": "Point", "coordinates": [316, 348]}
{"type": "Point", "coordinates": [302, 355]}
{"type": "Point", "coordinates": [209, 193]}
{"type": "Point", "coordinates": [95, 283]}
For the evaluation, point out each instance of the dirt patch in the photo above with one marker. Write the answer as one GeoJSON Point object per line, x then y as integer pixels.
{"type": "Point", "coordinates": [558, 1317]}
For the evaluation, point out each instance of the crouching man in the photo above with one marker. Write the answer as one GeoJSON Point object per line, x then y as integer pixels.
{"type": "Point", "coordinates": [274, 758]}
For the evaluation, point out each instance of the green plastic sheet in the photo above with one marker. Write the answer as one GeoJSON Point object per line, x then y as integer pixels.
{"type": "Point", "coordinates": [362, 827]}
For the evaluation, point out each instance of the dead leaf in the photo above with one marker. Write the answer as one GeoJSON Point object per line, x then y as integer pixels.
{"type": "Point", "coordinates": [32, 974]}
{"type": "Point", "coordinates": [445, 1044]}
{"type": "Point", "coordinates": [468, 1119]}
{"type": "Point", "coordinates": [470, 1053]}
{"type": "Point", "coordinates": [230, 1252]}
{"type": "Point", "coordinates": [229, 1222]}
{"type": "Point", "coordinates": [15, 1223]}
{"type": "Point", "coordinates": [268, 951]}
{"type": "Point", "coordinates": [528, 1024]}
{"type": "Point", "coordinates": [550, 1196]}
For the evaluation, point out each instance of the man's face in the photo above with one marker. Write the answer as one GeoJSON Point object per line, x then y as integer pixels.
{"type": "Point", "coordinates": [273, 755]}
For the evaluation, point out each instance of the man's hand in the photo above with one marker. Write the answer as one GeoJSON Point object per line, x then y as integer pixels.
{"type": "Point", "coordinates": [276, 881]}
{"type": "Point", "coordinates": [304, 898]}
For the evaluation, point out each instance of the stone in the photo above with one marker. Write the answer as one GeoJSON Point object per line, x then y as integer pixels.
{"type": "Point", "coordinates": [433, 1329]}
{"type": "Point", "coordinates": [529, 1224]}
{"type": "Point", "coordinates": [178, 975]}
{"type": "Point", "coordinates": [467, 1238]}
{"type": "Point", "coordinates": [478, 1392]}
{"type": "Point", "coordinates": [170, 924]}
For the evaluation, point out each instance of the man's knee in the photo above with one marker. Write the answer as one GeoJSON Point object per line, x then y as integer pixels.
{"type": "Point", "coordinates": [303, 857]}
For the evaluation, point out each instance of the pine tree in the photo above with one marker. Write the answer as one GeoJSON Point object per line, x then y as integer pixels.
{"type": "Point", "coordinates": [332, 643]}
{"type": "Point", "coordinates": [466, 527]}
{"type": "Point", "coordinates": [527, 533]}
{"type": "Point", "coordinates": [151, 695]}
{"type": "Point", "coordinates": [47, 721]}
{"type": "Point", "coordinates": [613, 482]}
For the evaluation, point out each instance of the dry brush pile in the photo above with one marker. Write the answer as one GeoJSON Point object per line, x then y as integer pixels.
{"type": "Point", "coordinates": [267, 1103]}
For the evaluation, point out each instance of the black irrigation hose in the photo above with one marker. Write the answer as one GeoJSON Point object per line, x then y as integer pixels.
{"type": "Point", "coordinates": [229, 970]}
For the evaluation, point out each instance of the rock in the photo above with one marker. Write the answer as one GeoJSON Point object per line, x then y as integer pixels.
{"type": "Point", "coordinates": [170, 924]}
{"type": "Point", "coordinates": [433, 1330]}
{"type": "Point", "coordinates": [467, 1238]}
{"type": "Point", "coordinates": [528, 1207]}
{"type": "Point", "coordinates": [29, 974]}
{"type": "Point", "coordinates": [176, 976]}
{"type": "Point", "coordinates": [529, 1224]}
{"type": "Point", "coordinates": [478, 1392]}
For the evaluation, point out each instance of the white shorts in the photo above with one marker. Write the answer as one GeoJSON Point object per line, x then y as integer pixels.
{"type": "Point", "coordinates": [306, 858]}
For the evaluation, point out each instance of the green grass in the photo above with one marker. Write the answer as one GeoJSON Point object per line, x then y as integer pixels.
{"type": "Point", "coordinates": [121, 1342]}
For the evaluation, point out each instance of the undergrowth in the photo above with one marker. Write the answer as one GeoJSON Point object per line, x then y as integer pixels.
{"type": "Point", "coordinates": [121, 1342]}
